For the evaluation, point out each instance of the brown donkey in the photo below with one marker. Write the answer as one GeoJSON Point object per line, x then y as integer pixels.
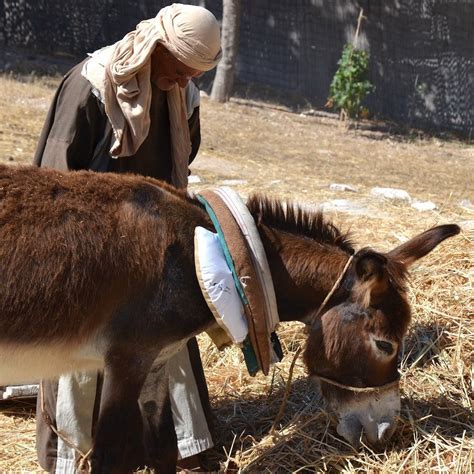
{"type": "Point", "coordinates": [97, 271]}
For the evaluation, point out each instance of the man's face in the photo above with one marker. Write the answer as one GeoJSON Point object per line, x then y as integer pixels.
{"type": "Point", "coordinates": [166, 70]}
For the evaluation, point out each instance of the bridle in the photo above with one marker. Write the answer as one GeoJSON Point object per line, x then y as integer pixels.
{"type": "Point", "coordinates": [335, 383]}
{"type": "Point", "coordinates": [376, 388]}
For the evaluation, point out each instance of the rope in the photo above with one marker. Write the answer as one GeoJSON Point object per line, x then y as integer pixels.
{"type": "Point", "coordinates": [334, 288]}
{"type": "Point", "coordinates": [377, 388]}
{"type": "Point", "coordinates": [83, 458]}
{"type": "Point", "coordinates": [287, 391]}
{"type": "Point", "coordinates": [293, 362]}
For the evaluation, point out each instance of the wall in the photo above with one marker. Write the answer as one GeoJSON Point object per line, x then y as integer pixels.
{"type": "Point", "coordinates": [422, 51]}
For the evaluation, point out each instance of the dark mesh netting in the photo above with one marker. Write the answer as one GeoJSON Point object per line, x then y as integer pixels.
{"type": "Point", "coordinates": [421, 51]}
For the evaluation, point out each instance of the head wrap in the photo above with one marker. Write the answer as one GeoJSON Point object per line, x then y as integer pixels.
{"type": "Point", "coordinates": [192, 35]}
{"type": "Point", "coordinates": [121, 73]}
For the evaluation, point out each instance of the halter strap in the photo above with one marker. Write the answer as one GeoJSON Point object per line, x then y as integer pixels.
{"type": "Point", "coordinates": [377, 388]}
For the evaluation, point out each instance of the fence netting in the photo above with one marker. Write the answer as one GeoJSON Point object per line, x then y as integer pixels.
{"type": "Point", "coordinates": [421, 51]}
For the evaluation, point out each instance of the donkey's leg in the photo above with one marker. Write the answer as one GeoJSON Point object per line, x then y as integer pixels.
{"type": "Point", "coordinates": [118, 445]}
{"type": "Point", "coordinates": [159, 431]}
{"type": "Point", "coordinates": [160, 438]}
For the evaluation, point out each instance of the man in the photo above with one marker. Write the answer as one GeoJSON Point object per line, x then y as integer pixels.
{"type": "Point", "coordinates": [131, 107]}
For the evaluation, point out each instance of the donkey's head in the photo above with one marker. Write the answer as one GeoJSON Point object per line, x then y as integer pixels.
{"type": "Point", "coordinates": [353, 347]}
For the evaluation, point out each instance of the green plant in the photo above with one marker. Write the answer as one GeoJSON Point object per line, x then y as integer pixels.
{"type": "Point", "coordinates": [350, 84]}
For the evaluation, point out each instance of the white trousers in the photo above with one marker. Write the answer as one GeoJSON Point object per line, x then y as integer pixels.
{"type": "Point", "coordinates": [75, 405]}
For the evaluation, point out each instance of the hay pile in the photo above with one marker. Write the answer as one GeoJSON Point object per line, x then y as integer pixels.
{"type": "Point", "coordinates": [17, 436]}
{"type": "Point", "coordinates": [268, 153]}
{"type": "Point", "coordinates": [436, 423]}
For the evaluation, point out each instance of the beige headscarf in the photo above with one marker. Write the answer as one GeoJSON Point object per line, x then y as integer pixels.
{"type": "Point", "coordinates": [121, 73]}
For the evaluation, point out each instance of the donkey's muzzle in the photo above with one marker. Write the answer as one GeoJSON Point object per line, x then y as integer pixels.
{"type": "Point", "coordinates": [369, 418]}
{"type": "Point", "coordinates": [375, 434]}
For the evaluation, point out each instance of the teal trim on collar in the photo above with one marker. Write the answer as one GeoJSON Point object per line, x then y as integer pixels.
{"type": "Point", "coordinates": [247, 349]}
{"type": "Point", "coordinates": [228, 256]}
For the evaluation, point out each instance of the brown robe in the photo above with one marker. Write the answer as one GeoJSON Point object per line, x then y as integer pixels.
{"type": "Point", "coordinates": [76, 134]}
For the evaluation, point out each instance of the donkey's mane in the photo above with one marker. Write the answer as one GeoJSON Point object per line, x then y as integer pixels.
{"type": "Point", "coordinates": [293, 218]}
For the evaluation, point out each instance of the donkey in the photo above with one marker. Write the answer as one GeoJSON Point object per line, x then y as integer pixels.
{"type": "Point", "coordinates": [97, 272]}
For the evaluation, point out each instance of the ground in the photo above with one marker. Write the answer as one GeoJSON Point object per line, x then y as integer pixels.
{"type": "Point", "coordinates": [262, 147]}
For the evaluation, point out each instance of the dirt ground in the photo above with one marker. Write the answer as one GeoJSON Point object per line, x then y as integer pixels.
{"type": "Point", "coordinates": [261, 147]}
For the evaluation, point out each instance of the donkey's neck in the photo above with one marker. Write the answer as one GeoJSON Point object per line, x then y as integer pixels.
{"type": "Point", "coordinates": [303, 272]}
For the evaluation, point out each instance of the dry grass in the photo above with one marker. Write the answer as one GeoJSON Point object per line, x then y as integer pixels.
{"type": "Point", "coordinates": [288, 155]}
{"type": "Point", "coordinates": [436, 423]}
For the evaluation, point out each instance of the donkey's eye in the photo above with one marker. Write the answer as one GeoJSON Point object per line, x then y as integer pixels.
{"type": "Point", "coordinates": [384, 346]}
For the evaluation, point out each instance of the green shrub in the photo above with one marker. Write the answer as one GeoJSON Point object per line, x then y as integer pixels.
{"type": "Point", "coordinates": [350, 84]}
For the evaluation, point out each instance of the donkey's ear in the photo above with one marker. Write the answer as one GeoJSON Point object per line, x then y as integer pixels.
{"type": "Point", "coordinates": [370, 265]}
{"type": "Point", "coordinates": [423, 244]}
{"type": "Point", "coordinates": [371, 276]}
